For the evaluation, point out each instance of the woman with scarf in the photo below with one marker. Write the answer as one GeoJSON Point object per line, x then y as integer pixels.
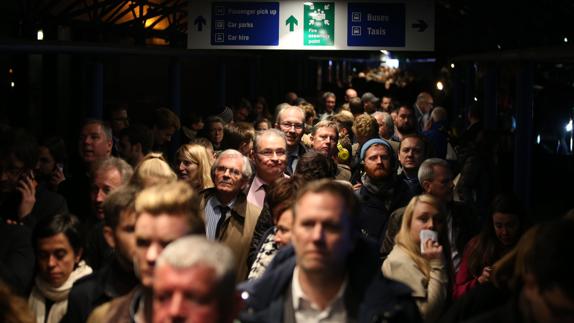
{"type": "Point", "coordinates": [57, 242]}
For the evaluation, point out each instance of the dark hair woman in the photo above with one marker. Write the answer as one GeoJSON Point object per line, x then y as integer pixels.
{"type": "Point", "coordinates": [498, 236]}
{"type": "Point", "coordinates": [58, 245]}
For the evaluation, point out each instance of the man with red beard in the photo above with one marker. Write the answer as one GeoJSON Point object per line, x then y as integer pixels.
{"type": "Point", "coordinates": [291, 120]}
{"type": "Point", "coordinates": [381, 191]}
{"type": "Point", "coordinates": [324, 138]}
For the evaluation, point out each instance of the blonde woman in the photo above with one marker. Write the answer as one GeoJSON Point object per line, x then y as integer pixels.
{"type": "Point", "coordinates": [425, 272]}
{"type": "Point", "coordinates": [153, 169]}
{"type": "Point", "coordinates": [194, 165]}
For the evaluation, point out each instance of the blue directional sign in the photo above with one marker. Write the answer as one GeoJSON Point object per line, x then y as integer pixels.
{"type": "Point", "coordinates": [245, 23]}
{"type": "Point", "coordinates": [376, 24]}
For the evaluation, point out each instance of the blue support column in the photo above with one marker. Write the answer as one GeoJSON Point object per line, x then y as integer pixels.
{"type": "Point", "coordinates": [490, 112]}
{"type": "Point", "coordinates": [523, 140]}
{"type": "Point", "coordinates": [468, 97]}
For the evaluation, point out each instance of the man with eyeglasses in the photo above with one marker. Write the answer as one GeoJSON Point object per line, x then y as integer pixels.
{"type": "Point", "coordinates": [291, 120]}
{"type": "Point", "coordinates": [423, 108]}
{"type": "Point", "coordinates": [270, 158]}
{"type": "Point", "coordinates": [229, 217]}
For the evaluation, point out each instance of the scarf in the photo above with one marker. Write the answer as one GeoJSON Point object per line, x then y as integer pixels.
{"type": "Point", "coordinates": [383, 190]}
{"type": "Point", "coordinates": [59, 295]}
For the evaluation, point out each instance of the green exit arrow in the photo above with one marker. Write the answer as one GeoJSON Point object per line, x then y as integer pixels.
{"type": "Point", "coordinates": [292, 22]}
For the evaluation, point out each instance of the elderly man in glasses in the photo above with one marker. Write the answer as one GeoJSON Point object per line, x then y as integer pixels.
{"type": "Point", "coordinates": [229, 217]}
{"type": "Point", "coordinates": [291, 120]}
{"type": "Point", "coordinates": [270, 159]}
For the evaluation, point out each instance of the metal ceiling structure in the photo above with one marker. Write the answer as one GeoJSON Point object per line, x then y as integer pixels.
{"type": "Point", "coordinates": [160, 22]}
{"type": "Point", "coordinates": [462, 26]}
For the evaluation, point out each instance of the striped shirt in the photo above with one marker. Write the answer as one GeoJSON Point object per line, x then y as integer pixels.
{"type": "Point", "coordinates": [212, 216]}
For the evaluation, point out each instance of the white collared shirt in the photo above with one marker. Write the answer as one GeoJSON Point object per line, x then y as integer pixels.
{"type": "Point", "coordinates": [307, 312]}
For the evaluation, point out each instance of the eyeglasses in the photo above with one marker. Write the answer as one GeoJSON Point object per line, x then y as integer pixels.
{"type": "Point", "coordinates": [289, 125]}
{"type": "Point", "coordinates": [269, 152]}
{"type": "Point", "coordinates": [233, 171]}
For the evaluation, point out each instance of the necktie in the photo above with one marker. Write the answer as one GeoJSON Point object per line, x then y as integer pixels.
{"type": "Point", "coordinates": [290, 160]}
{"type": "Point", "coordinates": [265, 188]}
{"type": "Point", "coordinates": [224, 210]}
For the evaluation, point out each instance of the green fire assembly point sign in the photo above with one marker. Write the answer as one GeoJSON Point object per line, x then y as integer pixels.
{"type": "Point", "coordinates": [319, 24]}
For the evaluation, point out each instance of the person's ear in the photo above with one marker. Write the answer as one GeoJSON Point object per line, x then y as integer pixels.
{"type": "Point", "coordinates": [110, 144]}
{"type": "Point", "coordinates": [426, 186]}
{"type": "Point", "coordinates": [109, 237]}
{"type": "Point", "coordinates": [78, 255]}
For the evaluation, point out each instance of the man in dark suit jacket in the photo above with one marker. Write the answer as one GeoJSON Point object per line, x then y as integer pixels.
{"type": "Point", "coordinates": [16, 257]}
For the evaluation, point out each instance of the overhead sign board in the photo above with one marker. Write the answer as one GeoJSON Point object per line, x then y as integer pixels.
{"type": "Point", "coordinates": [376, 24]}
{"type": "Point", "coordinates": [319, 24]}
{"type": "Point", "coordinates": [312, 25]}
{"type": "Point", "coordinates": [237, 23]}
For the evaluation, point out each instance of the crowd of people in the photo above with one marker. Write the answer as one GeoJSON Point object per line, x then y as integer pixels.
{"type": "Point", "coordinates": [364, 210]}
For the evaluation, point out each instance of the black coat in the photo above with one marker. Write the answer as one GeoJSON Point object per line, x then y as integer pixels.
{"type": "Point", "coordinates": [369, 296]}
{"type": "Point", "coordinates": [16, 257]}
{"type": "Point", "coordinates": [376, 210]}
{"type": "Point", "coordinates": [97, 288]}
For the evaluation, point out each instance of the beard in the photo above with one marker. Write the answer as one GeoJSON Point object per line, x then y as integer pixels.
{"type": "Point", "coordinates": [406, 128]}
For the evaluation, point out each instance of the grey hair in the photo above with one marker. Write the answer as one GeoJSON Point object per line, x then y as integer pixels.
{"type": "Point", "coordinates": [246, 171]}
{"type": "Point", "coordinates": [126, 171]}
{"type": "Point", "coordinates": [280, 108]}
{"type": "Point", "coordinates": [288, 107]}
{"type": "Point", "coordinates": [387, 119]}
{"type": "Point", "coordinates": [328, 95]}
{"type": "Point", "coordinates": [439, 114]}
{"type": "Point", "coordinates": [426, 170]}
{"type": "Point", "coordinates": [106, 128]}
{"type": "Point", "coordinates": [193, 250]}
{"type": "Point", "coordinates": [268, 133]}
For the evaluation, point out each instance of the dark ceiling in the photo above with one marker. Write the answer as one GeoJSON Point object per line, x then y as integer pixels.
{"type": "Point", "coordinates": [462, 26]}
